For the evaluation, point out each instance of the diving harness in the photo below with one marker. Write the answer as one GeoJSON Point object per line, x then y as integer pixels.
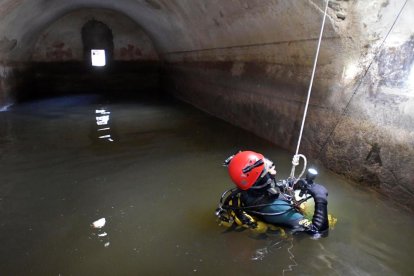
{"type": "Point", "coordinates": [232, 212]}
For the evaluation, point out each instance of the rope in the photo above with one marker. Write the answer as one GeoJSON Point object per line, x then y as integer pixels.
{"type": "Point", "coordinates": [295, 160]}
{"type": "Point", "coordinates": [360, 81]}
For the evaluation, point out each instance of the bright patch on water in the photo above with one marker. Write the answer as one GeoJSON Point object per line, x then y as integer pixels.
{"type": "Point", "coordinates": [5, 108]}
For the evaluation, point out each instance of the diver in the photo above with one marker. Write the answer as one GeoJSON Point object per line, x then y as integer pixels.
{"type": "Point", "coordinates": [258, 197]}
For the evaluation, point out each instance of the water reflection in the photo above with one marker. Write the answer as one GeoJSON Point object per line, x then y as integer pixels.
{"type": "Point", "coordinates": [5, 107]}
{"type": "Point", "coordinates": [102, 121]}
{"type": "Point", "coordinates": [99, 232]}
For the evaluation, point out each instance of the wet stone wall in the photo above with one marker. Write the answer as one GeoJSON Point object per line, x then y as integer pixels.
{"type": "Point", "coordinates": [11, 81]}
{"type": "Point", "coordinates": [360, 120]}
{"type": "Point", "coordinates": [369, 142]}
{"type": "Point", "coordinates": [6, 73]}
{"type": "Point", "coordinates": [60, 60]}
{"type": "Point", "coordinates": [125, 41]}
{"type": "Point", "coordinates": [373, 142]}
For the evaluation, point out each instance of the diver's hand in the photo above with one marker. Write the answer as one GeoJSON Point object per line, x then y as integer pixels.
{"type": "Point", "coordinates": [299, 185]}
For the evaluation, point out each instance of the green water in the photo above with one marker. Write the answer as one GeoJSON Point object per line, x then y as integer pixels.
{"type": "Point", "coordinates": [153, 171]}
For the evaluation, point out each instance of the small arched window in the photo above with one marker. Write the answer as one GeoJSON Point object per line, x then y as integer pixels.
{"type": "Point", "coordinates": [98, 44]}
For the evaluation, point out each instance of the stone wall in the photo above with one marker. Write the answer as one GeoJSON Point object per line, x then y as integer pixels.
{"type": "Point", "coordinates": [5, 89]}
{"type": "Point", "coordinates": [7, 74]}
{"type": "Point", "coordinates": [11, 81]}
{"type": "Point", "coordinates": [360, 122]}
{"type": "Point", "coordinates": [372, 140]}
{"type": "Point", "coordinates": [57, 65]}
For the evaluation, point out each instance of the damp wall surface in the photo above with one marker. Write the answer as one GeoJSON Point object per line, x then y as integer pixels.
{"type": "Point", "coordinates": [249, 63]}
{"type": "Point", "coordinates": [360, 120]}
{"type": "Point", "coordinates": [373, 142]}
{"type": "Point", "coordinates": [62, 40]}
{"type": "Point", "coordinates": [59, 61]}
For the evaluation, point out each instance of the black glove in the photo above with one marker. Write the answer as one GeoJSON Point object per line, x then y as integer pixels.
{"type": "Point", "coordinates": [320, 215]}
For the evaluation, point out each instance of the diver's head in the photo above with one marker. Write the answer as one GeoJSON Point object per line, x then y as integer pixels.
{"type": "Point", "coordinates": [248, 169]}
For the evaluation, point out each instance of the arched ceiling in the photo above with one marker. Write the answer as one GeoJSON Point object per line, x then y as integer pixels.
{"type": "Point", "coordinates": [174, 25]}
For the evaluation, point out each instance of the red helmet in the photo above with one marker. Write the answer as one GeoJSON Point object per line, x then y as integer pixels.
{"type": "Point", "coordinates": [245, 168]}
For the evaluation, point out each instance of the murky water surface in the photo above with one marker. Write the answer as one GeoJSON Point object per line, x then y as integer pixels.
{"type": "Point", "coordinates": [153, 171]}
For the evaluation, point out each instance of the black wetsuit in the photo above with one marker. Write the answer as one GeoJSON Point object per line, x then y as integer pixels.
{"type": "Point", "coordinates": [275, 208]}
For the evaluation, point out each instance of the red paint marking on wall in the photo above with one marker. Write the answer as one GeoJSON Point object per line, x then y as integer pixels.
{"type": "Point", "coordinates": [58, 45]}
{"type": "Point", "coordinates": [57, 52]}
{"type": "Point", "coordinates": [130, 51]}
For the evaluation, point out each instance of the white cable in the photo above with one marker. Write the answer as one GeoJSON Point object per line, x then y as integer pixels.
{"type": "Point", "coordinates": [295, 160]}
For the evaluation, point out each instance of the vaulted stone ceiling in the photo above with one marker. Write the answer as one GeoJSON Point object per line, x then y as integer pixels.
{"type": "Point", "coordinates": [173, 25]}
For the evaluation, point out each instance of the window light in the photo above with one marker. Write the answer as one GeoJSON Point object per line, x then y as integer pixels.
{"type": "Point", "coordinates": [98, 57]}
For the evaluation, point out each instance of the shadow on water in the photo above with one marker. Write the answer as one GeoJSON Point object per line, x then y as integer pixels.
{"type": "Point", "coordinates": [153, 171]}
